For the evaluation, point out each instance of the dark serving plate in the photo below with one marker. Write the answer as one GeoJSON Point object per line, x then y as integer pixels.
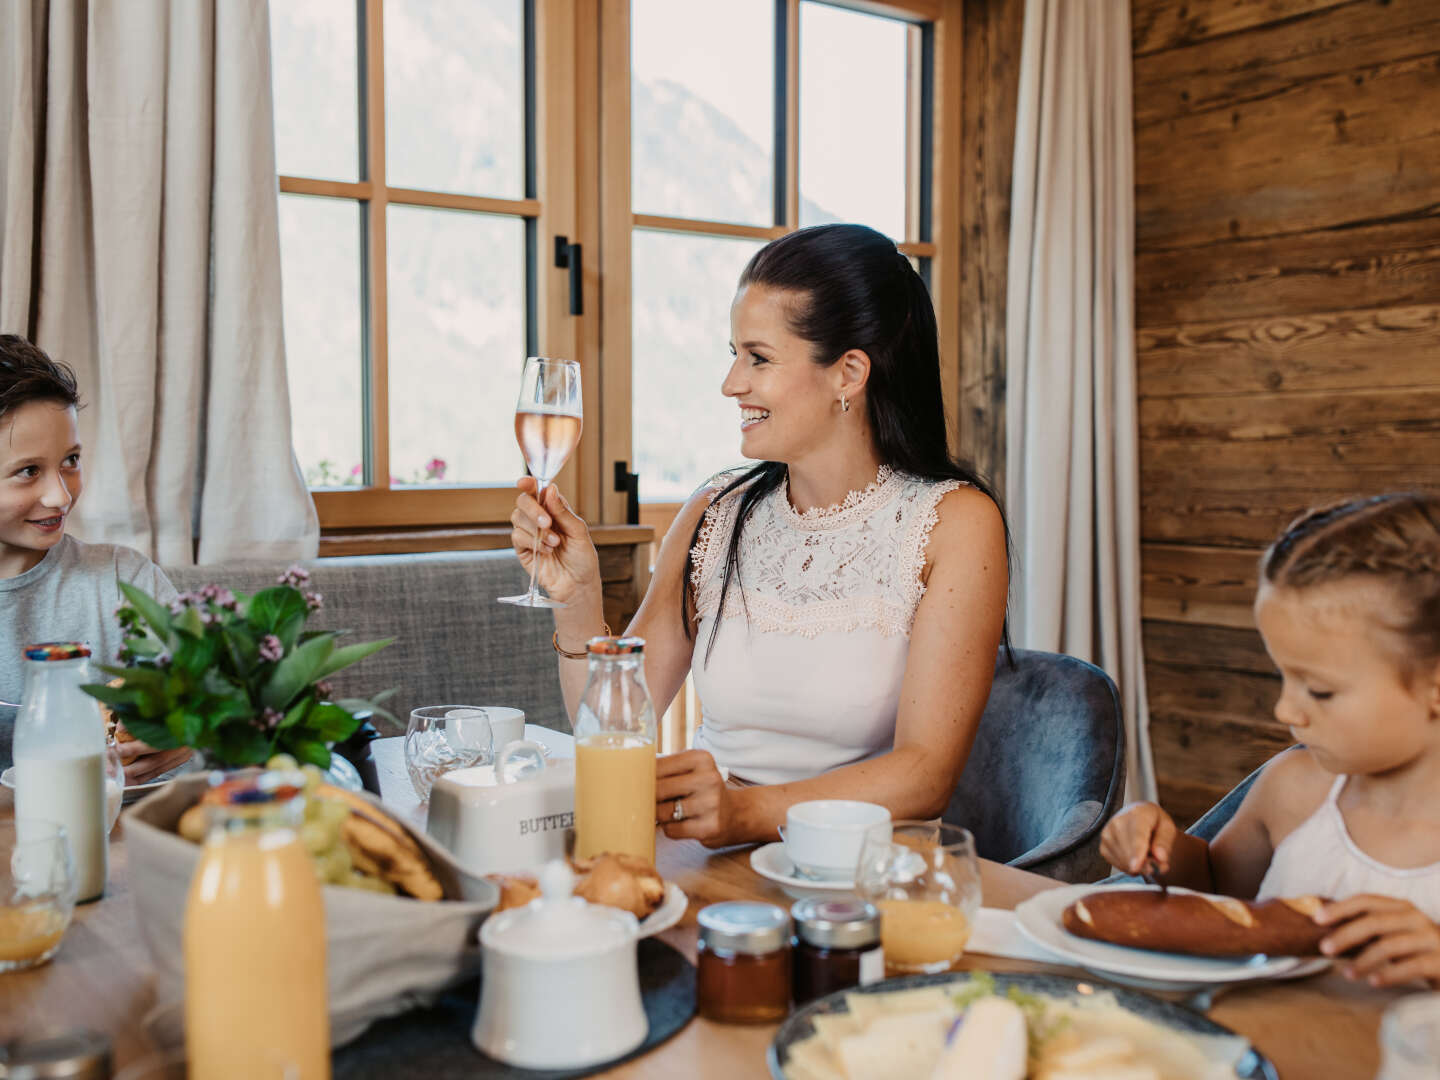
{"type": "Point", "coordinates": [798, 1026]}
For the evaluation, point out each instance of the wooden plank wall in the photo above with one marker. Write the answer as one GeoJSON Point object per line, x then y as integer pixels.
{"type": "Point", "coordinates": [1287, 188]}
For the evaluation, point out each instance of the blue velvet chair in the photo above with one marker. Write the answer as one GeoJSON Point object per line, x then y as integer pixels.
{"type": "Point", "coordinates": [1048, 767]}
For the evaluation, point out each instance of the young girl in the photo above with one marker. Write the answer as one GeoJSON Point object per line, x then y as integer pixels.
{"type": "Point", "coordinates": [1349, 608]}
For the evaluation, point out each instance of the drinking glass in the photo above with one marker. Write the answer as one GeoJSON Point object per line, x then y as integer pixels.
{"type": "Point", "coordinates": [442, 738]}
{"type": "Point", "coordinates": [37, 891]}
{"type": "Point", "coordinates": [547, 427]}
{"type": "Point", "coordinates": [925, 879]}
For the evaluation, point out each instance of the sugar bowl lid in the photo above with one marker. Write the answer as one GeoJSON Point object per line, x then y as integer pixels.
{"type": "Point", "coordinates": [558, 926]}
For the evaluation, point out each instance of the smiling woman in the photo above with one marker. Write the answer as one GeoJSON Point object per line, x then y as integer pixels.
{"type": "Point", "coordinates": [841, 602]}
{"type": "Point", "coordinates": [52, 586]}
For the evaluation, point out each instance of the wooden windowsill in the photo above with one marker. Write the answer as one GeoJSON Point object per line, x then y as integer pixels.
{"type": "Point", "coordinates": [467, 538]}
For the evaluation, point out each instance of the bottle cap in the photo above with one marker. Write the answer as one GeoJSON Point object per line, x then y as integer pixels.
{"type": "Point", "coordinates": [836, 924]}
{"type": "Point", "coordinates": [75, 1055]}
{"type": "Point", "coordinates": [57, 650]}
{"type": "Point", "coordinates": [744, 926]}
{"type": "Point", "coordinates": [615, 646]}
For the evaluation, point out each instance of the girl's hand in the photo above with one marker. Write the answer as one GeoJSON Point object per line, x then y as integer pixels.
{"type": "Point", "coordinates": [692, 779]}
{"type": "Point", "coordinates": [569, 563]}
{"type": "Point", "coordinates": [1400, 943]}
{"type": "Point", "coordinates": [1141, 833]}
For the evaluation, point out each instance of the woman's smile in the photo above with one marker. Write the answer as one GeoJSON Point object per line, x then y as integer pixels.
{"type": "Point", "coordinates": [751, 415]}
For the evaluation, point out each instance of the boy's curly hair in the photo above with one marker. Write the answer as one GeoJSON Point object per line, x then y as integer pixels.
{"type": "Point", "coordinates": [27, 374]}
{"type": "Point", "coordinates": [1393, 538]}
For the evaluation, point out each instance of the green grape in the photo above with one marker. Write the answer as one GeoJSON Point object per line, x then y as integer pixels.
{"type": "Point", "coordinates": [282, 761]}
{"type": "Point", "coordinates": [313, 778]}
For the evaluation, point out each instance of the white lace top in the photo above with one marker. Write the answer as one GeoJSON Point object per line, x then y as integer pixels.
{"type": "Point", "coordinates": [1319, 858]}
{"type": "Point", "coordinates": [806, 668]}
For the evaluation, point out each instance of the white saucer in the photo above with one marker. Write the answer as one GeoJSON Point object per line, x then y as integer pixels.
{"type": "Point", "coordinates": [671, 911]}
{"type": "Point", "coordinates": [770, 861]}
{"type": "Point", "coordinates": [1040, 919]}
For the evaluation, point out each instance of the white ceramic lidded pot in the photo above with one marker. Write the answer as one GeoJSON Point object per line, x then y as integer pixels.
{"type": "Point", "coordinates": [559, 956]}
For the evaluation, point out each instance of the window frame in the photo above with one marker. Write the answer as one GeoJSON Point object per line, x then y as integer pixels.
{"type": "Point", "coordinates": [578, 97]}
{"type": "Point", "coordinates": [932, 200]}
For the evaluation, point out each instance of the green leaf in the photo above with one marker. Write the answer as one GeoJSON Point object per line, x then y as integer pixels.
{"type": "Point", "coordinates": [145, 647]}
{"type": "Point", "coordinates": [289, 630]}
{"type": "Point", "coordinates": [331, 723]}
{"type": "Point", "coordinates": [297, 713]}
{"type": "Point", "coordinates": [346, 655]}
{"type": "Point", "coordinates": [195, 656]}
{"type": "Point", "coordinates": [151, 610]}
{"type": "Point", "coordinates": [189, 623]}
{"type": "Point", "coordinates": [153, 732]}
{"type": "Point", "coordinates": [242, 744]}
{"type": "Point", "coordinates": [271, 608]}
{"type": "Point", "coordinates": [311, 751]}
{"type": "Point", "coordinates": [296, 672]}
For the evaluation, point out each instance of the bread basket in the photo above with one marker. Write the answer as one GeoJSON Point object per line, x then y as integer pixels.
{"type": "Point", "coordinates": [385, 954]}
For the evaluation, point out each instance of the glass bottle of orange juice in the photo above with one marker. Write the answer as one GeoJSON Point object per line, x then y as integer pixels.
{"type": "Point", "coordinates": [615, 753]}
{"type": "Point", "coordinates": [255, 991]}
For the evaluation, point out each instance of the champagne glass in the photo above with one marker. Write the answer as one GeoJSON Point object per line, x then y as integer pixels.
{"type": "Point", "coordinates": [925, 879]}
{"type": "Point", "coordinates": [547, 427]}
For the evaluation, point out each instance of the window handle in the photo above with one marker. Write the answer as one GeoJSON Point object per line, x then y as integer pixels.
{"type": "Point", "coordinates": [567, 256]}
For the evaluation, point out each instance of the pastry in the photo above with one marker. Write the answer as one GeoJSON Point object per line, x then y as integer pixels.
{"type": "Point", "coordinates": [1184, 922]}
{"type": "Point", "coordinates": [622, 881]}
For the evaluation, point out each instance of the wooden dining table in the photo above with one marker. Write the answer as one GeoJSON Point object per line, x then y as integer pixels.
{"type": "Point", "coordinates": [1320, 1027]}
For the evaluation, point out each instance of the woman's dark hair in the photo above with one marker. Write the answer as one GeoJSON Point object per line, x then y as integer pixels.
{"type": "Point", "coordinates": [853, 290]}
{"type": "Point", "coordinates": [27, 374]}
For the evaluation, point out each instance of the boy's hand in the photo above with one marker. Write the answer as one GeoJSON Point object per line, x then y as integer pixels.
{"type": "Point", "coordinates": [144, 763]}
{"type": "Point", "coordinates": [1400, 942]}
{"type": "Point", "coordinates": [1139, 834]}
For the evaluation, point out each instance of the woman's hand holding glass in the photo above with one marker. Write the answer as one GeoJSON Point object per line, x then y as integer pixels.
{"type": "Point", "coordinates": [569, 566]}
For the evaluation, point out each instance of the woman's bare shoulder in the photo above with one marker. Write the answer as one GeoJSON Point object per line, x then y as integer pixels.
{"type": "Point", "coordinates": [967, 521]}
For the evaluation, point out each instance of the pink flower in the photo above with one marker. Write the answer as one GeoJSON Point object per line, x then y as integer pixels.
{"type": "Point", "coordinates": [314, 601]}
{"type": "Point", "coordinates": [271, 649]}
{"type": "Point", "coordinates": [356, 470]}
{"type": "Point", "coordinates": [270, 719]}
{"type": "Point", "coordinates": [296, 576]}
{"type": "Point", "coordinates": [435, 469]}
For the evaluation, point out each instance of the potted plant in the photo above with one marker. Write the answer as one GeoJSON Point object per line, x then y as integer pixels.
{"type": "Point", "coordinates": [237, 678]}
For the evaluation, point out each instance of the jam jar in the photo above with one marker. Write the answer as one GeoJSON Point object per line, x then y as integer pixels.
{"type": "Point", "coordinates": [744, 962]}
{"type": "Point", "coordinates": [837, 946]}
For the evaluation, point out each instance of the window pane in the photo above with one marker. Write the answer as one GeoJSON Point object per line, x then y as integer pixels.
{"type": "Point", "coordinates": [320, 269]}
{"type": "Point", "coordinates": [685, 430]}
{"type": "Point", "coordinates": [456, 291]}
{"type": "Point", "coordinates": [455, 96]}
{"type": "Point", "coordinates": [313, 71]}
{"type": "Point", "coordinates": [852, 109]}
{"type": "Point", "coordinates": [703, 109]}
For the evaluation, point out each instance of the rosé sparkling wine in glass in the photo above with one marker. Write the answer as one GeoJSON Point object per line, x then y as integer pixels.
{"type": "Point", "coordinates": [547, 426]}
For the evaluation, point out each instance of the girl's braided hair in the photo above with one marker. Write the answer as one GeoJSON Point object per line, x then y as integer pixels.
{"type": "Point", "coordinates": [1393, 538]}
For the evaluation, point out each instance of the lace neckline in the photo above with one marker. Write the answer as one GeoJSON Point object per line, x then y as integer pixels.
{"type": "Point", "coordinates": [855, 504]}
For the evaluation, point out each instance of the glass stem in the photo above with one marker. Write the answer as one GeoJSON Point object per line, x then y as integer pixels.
{"type": "Point", "coordinates": [535, 552]}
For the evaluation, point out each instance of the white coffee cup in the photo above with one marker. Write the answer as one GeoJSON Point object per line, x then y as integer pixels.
{"type": "Point", "coordinates": [506, 726]}
{"type": "Point", "coordinates": [823, 837]}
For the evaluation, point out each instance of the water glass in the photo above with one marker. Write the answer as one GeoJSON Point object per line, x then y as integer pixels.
{"type": "Point", "coordinates": [442, 738]}
{"type": "Point", "coordinates": [1410, 1039]}
{"type": "Point", "coordinates": [37, 891]}
{"type": "Point", "coordinates": [925, 879]}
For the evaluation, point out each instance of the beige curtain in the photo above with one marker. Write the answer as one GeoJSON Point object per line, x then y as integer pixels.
{"type": "Point", "coordinates": [139, 242]}
{"type": "Point", "coordinates": [1072, 478]}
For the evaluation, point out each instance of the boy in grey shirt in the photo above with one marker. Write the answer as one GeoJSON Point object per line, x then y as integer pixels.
{"type": "Point", "coordinates": [52, 586]}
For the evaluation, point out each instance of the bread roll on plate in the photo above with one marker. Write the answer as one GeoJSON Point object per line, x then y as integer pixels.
{"type": "Point", "coordinates": [1197, 924]}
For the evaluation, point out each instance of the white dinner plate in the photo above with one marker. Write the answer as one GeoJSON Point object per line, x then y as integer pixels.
{"type": "Point", "coordinates": [1040, 919]}
{"type": "Point", "coordinates": [670, 911]}
{"type": "Point", "coordinates": [770, 861]}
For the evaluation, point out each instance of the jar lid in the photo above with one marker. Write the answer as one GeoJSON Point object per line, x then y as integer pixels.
{"type": "Point", "coordinates": [744, 926]}
{"type": "Point", "coordinates": [558, 926]}
{"type": "Point", "coordinates": [615, 646]}
{"type": "Point", "coordinates": [76, 1055]}
{"type": "Point", "coordinates": [57, 650]}
{"type": "Point", "coordinates": [836, 924]}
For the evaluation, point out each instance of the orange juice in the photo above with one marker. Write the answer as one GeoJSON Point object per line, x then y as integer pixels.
{"type": "Point", "coordinates": [615, 795]}
{"type": "Point", "coordinates": [255, 991]}
{"type": "Point", "coordinates": [29, 932]}
{"type": "Point", "coordinates": [922, 935]}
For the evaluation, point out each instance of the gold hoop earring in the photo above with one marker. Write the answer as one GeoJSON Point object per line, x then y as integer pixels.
{"type": "Point", "coordinates": [844, 404]}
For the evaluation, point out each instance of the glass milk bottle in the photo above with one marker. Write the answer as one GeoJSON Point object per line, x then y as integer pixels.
{"type": "Point", "coordinates": [615, 753]}
{"type": "Point", "coordinates": [255, 989]}
{"type": "Point", "coordinates": [59, 756]}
